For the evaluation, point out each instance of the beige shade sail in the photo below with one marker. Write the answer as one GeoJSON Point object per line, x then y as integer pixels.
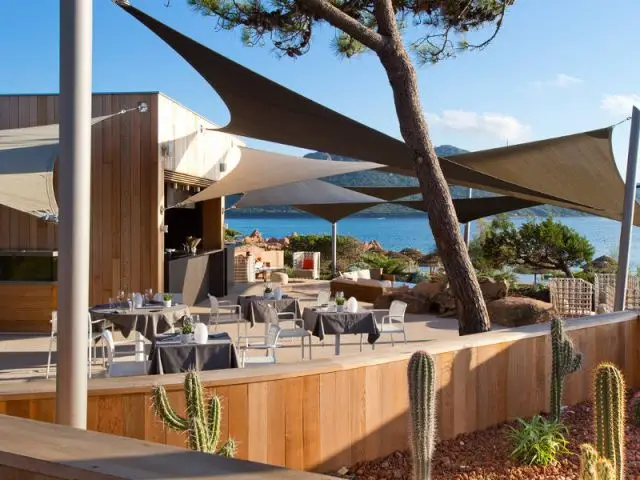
{"type": "Point", "coordinates": [258, 169]}
{"type": "Point", "coordinates": [263, 109]}
{"type": "Point", "coordinates": [309, 192]}
{"type": "Point", "coordinates": [27, 160]}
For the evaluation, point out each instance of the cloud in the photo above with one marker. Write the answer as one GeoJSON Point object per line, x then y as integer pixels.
{"type": "Point", "coordinates": [561, 80]}
{"type": "Point", "coordinates": [620, 104]}
{"type": "Point", "coordinates": [504, 127]}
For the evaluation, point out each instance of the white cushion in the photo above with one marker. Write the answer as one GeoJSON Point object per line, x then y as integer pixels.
{"type": "Point", "coordinates": [364, 274]}
{"type": "Point", "coordinates": [369, 282]}
{"type": "Point", "coordinates": [350, 275]}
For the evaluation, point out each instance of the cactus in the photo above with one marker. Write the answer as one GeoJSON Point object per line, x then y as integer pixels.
{"type": "Point", "coordinates": [609, 404]}
{"type": "Point", "coordinates": [201, 424]}
{"type": "Point", "coordinates": [565, 361]}
{"type": "Point", "coordinates": [422, 400]}
{"type": "Point", "coordinates": [592, 466]}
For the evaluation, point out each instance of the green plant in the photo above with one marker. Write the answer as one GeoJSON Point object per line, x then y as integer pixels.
{"type": "Point", "coordinates": [201, 423]}
{"type": "Point", "coordinates": [539, 441]}
{"type": "Point", "coordinates": [593, 467]}
{"type": "Point", "coordinates": [609, 408]}
{"type": "Point", "coordinates": [231, 234]}
{"type": "Point", "coordinates": [339, 300]}
{"type": "Point", "coordinates": [389, 266]}
{"type": "Point", "coordinates": [422, 408]}
{"type": "Point", "coordinates": [564, 361]}
{"type": "Point", "coordinates": [167, 297]}
{"type": "Point", "coordinates": [187, 326]}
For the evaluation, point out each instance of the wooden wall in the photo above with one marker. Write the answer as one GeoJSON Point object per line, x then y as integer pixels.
{"type": "Point", "coordinates": [27, 307]}
{"type": "Point", "coordinates": [325, 414]}
{"type": "Point", "coordinates": [126, 192]}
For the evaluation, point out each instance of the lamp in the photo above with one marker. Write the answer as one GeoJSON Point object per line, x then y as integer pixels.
{"type": "Point", "coordinates": [143, 107]}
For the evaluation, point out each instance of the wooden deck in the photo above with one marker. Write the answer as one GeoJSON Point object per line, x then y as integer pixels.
{"type": "Point", "coordinates": [325, 414]}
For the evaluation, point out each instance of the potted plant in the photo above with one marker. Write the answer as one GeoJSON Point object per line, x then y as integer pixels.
{"type": "Point", "coordinates": [167, 299]}
{"type": "Point", "coordinates": [339, 303]}
{"type": "Point", "coordinates": [268, 291]}
{"type": "Point", "coordinates": [191, 244]}
{"type": "Point", "coordinates": [187, 330]}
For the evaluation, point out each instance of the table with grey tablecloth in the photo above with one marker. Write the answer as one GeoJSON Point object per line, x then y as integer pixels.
{"type": "Point", "coordinates": [148, 320]}
{"type": "Point", "coordinates": [253, 314]}
{"type": "Point", "coordinates": [168, 355]}
{"type": "Point", "coordinates": [321, 322]}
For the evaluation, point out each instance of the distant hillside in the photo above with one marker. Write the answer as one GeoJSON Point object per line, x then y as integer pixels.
{"type": "Point", "coordinates": [372, 178]}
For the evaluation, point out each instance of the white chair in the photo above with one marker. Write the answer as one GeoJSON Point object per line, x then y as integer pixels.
{"type": "Point", "coordinates": [126, 368]}
{"type": "Point", "coordinates": [94, 336]}
{"type": "Point", "coordinates": [234, 312]}
{"type": "Point", "coordinates": [393, 322]}
{"type": "Point", "coordinates": [323, 297]}
{"type": "Point", "coordinates": [351, 305]}
{"type": "Point", "coordinates": [295, 332]}
{"type": "Point", "coordinates": [176, 298]}
{"type": "Point", "coordinates": [268, 343]}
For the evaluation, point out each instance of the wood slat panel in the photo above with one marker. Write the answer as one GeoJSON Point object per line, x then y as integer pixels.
{"type": "Point", "coordinates": [26, 307]}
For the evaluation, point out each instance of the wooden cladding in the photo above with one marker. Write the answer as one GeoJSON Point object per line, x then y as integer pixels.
{"type": "Point", "coordinates": [26, 306]}
{"type": "Point", "coordinates": [186, 179]}
{"type": "Point", "coordinates": [326, 414]}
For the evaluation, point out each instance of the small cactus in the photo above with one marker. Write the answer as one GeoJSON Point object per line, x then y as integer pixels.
{"type": "Point", "coordinates": [609, 402]}
{"type": "Point", "coordinates": [202, 424]}
{"type": "Point", "coordinates": [565, 361]}
{"type": "Point", "coordinates": [422, 399]}
{"type": "Point", "coordinates": [594, 467]}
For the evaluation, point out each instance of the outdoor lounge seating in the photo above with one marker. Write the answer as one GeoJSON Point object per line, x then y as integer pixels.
{"type": "Point", "coordinates": [365, 285]}
{"type": "Point", "coordinates": [306, 265]}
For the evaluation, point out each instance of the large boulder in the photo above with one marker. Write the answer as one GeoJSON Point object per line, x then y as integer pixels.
{"type": "Point", "coordinates": [443, 302]}
{"type": "Point", "coordinates": [493, 289]}
{"type": "Point", "coordinates": [519, 311]}
{"type": "Point", "coordinates": [254, 237]}
{"type": "Point", "coordinates": [415, 303]}
{"type": "Point", "coordinates": [429, 289]}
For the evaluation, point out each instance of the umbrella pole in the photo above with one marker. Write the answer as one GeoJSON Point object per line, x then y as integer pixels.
{"type": "Point", "coordinates": [334, 248]}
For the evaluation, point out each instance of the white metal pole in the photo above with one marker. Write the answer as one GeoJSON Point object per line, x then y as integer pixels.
{"type": "Point", "coordinates": [334, 248]}
{"type": "Point", "coordinates": [627, 215]}
{"type": "Point", "coordinates": [75, 214]}
{"type": "Point", "coordinates": [467, 226]}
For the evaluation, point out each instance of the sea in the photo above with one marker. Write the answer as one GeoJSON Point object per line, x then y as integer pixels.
{"type": "Point", "coordinates": [396, 233]}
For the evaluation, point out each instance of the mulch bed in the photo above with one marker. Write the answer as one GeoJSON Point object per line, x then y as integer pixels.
{"type": "Point", "coordinates": [485, 455]}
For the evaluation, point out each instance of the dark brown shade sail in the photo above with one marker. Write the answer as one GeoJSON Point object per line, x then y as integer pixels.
{"type": "Point", "coordinates": [265, 110]}
{"type": "Point", "coordinates": [387, 193]}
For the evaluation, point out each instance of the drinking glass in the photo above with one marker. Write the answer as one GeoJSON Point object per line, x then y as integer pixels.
{"type": "Point", "coordinates": [110, 302]}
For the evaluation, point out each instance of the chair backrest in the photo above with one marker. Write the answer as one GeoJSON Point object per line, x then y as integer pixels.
{"type": "Point", "coordinates": [54, 322]}
{"type": "Point", "coordinates": [111, 346]}
{"type": "Point", "coordinates": [176, 298]}
{"type": "Point", "coordinates": [352, 305]}
{"type": "Point", "coordinates": [272, 334]}
{"type": "Point", "coordinates": [213, 301]}
{"type": "Point", "coordinates": [397, 310]}
{"type": "Point", "coordinates": [323, 297]}
{"type": "Point", "coordinates": [268, 311]}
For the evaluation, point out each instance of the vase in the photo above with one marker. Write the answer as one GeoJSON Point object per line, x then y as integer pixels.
{"type": "Point", "coordinates": [186, 338]}
{"type": "Point", "coordinates": [167, 303]}
{"type": "Point", "coordinates": [193, 250]}
{"type": "Point", "coordinates": [339, 308]}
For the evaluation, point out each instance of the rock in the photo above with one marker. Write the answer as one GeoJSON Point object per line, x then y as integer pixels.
{"type": "Point", "coordinates": [383, 302]}
{"type": "Point", "coordinates": [493, 289]}
{"type": "Point", "coordinates": [429, 289]}
{"type": "Point", "coordinates": [519, 311]}
{"type": "Point", "coordinates": [375, 246]}
{"type": "Point", "coordinates": [415, 303]}
{"type": "Point", "coordinates": [254, 237]}
{"type": "Point", "coordinates": [603, 308]}
{"type": "Point", "coordinates": [444, 302]}
{"type": "Point", "coordinates": [286, 242]}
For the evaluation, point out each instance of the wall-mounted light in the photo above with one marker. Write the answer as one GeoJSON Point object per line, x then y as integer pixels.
{"type": "Point", "coordinates": [198, 189]}
{"type": "Point", "coordinates": [223, 166]}
{"type": "Point", "coordinates": [143, 107]}
{"type": "Point", "coordinates": [164, 228]}
{"type": "Point", "coordinates": [174, 186]}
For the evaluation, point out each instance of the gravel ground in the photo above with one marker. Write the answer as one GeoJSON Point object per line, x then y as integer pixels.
{"type": "Point", "coordinates": [485, 455]}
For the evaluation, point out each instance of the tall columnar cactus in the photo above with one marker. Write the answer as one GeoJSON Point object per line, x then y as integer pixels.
{"type": "Point", "coordinates": [422, 401]}
{"type": "Point", "coordinates": [202, 424]}
{"type": "Point", "coordinates": [565, 361]}
{"type": "Point", "coordinates": [609, 401]}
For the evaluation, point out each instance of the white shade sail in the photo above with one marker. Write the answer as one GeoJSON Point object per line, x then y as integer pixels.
{"type": "Point", "coordinates": [309, 192]}
{"type": "Point", "coordinates": [27, 158]}
{"type": "Point", "coordinates": [259, 169]}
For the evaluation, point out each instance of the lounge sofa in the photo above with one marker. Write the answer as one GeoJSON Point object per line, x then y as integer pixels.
{"type": "Point", "coordinates": [364, 285]}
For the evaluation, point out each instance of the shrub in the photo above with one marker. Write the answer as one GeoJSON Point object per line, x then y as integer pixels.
{"type": "Point", "coordinates": [635, 409]}
{"type": "Point", "coordinates": [358, 266]}
{"type": "Point", "coordinates": [231, 234]}
{"type": "Point", "coordinates": [348, 250]}
{"type": "Point", "coordinates": [539, 441]}
{"type": "Point", "coordinates": [390, 266]}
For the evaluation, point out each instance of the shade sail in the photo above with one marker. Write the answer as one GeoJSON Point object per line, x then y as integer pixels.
{"type": "Point", "coordinates": [387, 193]}
{"type": "Point", "coordinates": [258, 169]}
{"type": "Point", "coordinates": [263, 109]}
{"type": "Point", "coordinates": [27, 159]}
{"type": "Point", "coordinates": [469, 209]}
{"type": "Point", "coordinates": [309, 192]}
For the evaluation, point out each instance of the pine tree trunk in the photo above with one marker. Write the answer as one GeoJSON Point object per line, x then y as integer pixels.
{"type": "Point", "coordinates": [473, 317]}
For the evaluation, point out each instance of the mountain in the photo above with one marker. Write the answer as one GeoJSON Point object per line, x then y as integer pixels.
{"type": "Point", "coordinates": [373, 178]}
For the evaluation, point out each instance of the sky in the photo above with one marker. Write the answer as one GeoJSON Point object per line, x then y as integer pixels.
{"type": "Point", "coordinates": [557, 67]}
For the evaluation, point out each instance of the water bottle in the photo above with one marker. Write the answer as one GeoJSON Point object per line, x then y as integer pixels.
{"type": "Point", "coordinates": [130, 304]}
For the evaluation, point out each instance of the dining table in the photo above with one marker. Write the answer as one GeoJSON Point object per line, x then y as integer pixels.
{"type": "Point", "coordinates": [321, 321]}
{"type": "Point", "coordinates": [170, 355]}
{"type": "Point", "coordinates": [146, 321]}
{"type": "Point", "coordinates": [253, 315]}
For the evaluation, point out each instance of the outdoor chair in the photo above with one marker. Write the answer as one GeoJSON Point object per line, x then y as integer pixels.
{"type": "Point", "coordinates": [94, 336]}
{"type": "Point", "coordinates": [275, 317]}
{"type": "Point", "coordinates": [306, 265]}
{"type": "Point", "coordinates": [391, 323]}
{"type": "Point", "coordinates": [230, 312]}
{"type": "Point", "coordinates": [126, 368]}
{"type": "Point", "coordinates": [267, 342]}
